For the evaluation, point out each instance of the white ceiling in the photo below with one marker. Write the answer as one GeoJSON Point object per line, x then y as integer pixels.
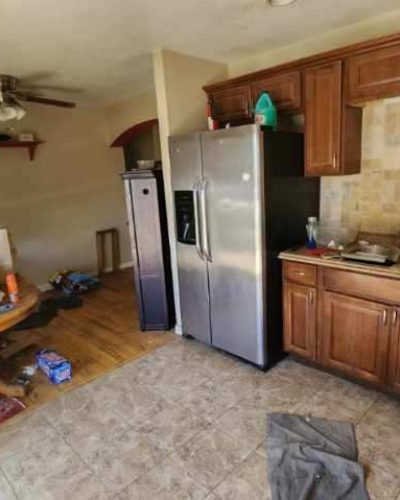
{"type": "Point", "coordinates": [101, 49]}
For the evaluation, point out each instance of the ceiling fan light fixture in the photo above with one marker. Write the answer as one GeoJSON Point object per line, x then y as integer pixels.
{"type": "Point", "coordinates": [281, 3]}
{"type": "Point", "coordinates": [21, 112]}
{"type": "Point", "coordinates": [7, 112]}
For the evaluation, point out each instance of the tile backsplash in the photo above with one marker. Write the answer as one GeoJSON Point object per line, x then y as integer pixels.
{"type": "Point", "coordinates": [369, 201]}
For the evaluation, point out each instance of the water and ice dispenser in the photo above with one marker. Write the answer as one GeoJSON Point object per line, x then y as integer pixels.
{"type": "Point", "coordinates": [185, 220]}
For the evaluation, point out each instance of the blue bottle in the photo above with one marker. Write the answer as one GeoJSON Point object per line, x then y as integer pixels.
{"type": "Point", "coordinates": [312, 233]}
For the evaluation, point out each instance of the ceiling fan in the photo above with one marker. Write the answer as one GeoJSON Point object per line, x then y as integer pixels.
{"type": "Point", "coordinates": [11, 93]}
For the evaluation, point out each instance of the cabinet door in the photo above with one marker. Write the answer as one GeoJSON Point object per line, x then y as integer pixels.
{"type": "Point", "coordinates": [374, 75]}
{"type": "Point", "coordinates": [394, 353]}
{"type": "Point", "coordinates": [231, 104]}
{"type": "Point", "coordinates": [284, 89]}
{"type": "Point", "coordinates": [300, 320]}
{"type": "Point", "coordinates": [323, 102]}
{"type": "Point", "coordinates": [355, 336]}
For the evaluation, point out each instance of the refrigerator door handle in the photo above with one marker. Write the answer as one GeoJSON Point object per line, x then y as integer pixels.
{"type": "Point", "coordinates": [204, 220]}
{"type": "Point", "coordinates": [197, 220]}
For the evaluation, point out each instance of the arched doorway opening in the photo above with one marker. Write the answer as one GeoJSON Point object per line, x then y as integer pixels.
{"type": "Point", "coordinates": [140, 142]}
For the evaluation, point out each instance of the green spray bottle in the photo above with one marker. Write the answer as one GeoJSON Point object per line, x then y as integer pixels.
{"type": "Point", "coordinates": [265, 111]}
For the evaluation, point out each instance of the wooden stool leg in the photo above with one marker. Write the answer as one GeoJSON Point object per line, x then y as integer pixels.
{"type": "Point", "coordinates": [115, 249]}
{"type": "Point", "coordinates": [100, 245]}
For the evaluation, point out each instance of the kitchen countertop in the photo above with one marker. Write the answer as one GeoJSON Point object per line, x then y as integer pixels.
{"type": "Point", "coordinates": [307, 256]}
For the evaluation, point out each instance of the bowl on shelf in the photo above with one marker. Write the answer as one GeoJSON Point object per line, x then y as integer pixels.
{"type": "Point", "coordinates": [145, 163]}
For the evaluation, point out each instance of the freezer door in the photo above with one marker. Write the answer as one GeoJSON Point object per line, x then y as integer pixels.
{"type": "Point", "coordinates": [233, 198]}
{"type": "Point", "coordinates": [186, 174]}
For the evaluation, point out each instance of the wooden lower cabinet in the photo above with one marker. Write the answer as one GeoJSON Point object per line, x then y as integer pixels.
{"type": "Point", "coordinates": [347, 321]}
{"type": "Point", "coordinates": [394, 352]}
{"type": "Point", "coordinates": [300, 319]}
{"type": "Point", "coordinates": [355, 336]}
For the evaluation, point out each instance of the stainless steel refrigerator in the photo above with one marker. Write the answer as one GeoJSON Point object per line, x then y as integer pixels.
{"type": "Point", "coordinates": [240, 198]}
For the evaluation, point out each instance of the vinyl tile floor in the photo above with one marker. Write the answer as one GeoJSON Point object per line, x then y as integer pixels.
{"type": "Point", "coordinates": [184, 422]}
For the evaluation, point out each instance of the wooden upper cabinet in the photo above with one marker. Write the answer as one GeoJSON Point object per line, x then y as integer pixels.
{"type": "Point", "coordinates": [355, 336]}
{"type": "Point", "coordinates": [332, 129]}
{"type": "Point", "coordinates": [300, 320]}
{"type": "Point", "coordinates": [232, 104]}
{"type": "Point", "coordinates": [373, 75]}
{"type": "Point", "coordinates": [394, 353]}
{"type": "Point", "coordinates": [284, 89]}
{"type": "Point", "coordinates": [323, 97]}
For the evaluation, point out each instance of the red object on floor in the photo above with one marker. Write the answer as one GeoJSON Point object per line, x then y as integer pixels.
{"type": "Point", "coordinates": [10, 407]}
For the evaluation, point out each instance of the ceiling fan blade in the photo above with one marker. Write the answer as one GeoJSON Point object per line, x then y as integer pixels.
{"type": "Point", "coordinates": [45, 100]}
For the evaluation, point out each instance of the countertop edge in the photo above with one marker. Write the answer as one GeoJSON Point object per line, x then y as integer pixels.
{"type": "Point", "coordinates": [388, 272]}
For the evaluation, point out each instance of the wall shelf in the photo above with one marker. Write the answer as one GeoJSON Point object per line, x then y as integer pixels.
{"type": "Point", "coordinates": [30, 146]}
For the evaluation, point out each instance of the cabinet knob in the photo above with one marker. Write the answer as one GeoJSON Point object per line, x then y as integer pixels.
{"type": "Point", "coordinates": [335, 161]}
{"type": "Point", "coordinates": [311, 297]}
{"type": "Point", "coordinates": [394, 317]}
{"type": "Point", "coordinates": [385, 317]}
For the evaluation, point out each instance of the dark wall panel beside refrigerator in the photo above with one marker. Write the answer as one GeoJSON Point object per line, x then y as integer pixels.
{"type": "Point", "coordinates": [150, 248]}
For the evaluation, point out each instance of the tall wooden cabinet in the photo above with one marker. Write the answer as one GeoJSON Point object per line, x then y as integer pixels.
{"type": "Point", "coordinates": [147, 222]}
{"type": "Point", "coordinates": [332, 129]}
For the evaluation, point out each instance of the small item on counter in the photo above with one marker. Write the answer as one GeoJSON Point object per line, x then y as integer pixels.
{"type": "Point", "coordinates": [312, 232]}
{"type": "Point", "coordinates": [12, 287]}
{"type": "Point", "coordinates": [56, 367]}
{"type": "Point", "coordinates": [265, 111]}
{"type": "Point", "coordinates": [212, 124]}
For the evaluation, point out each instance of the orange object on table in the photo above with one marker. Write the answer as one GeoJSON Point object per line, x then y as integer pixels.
{"type": "Point", "coordinates": [12, 287]}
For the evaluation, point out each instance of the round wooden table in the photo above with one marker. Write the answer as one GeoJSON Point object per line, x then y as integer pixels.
{"type": "Point", "coordinates": [29, 298]}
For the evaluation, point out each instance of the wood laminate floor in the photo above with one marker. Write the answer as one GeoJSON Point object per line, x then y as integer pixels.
{"type": "Point", "coordinates": [98, 337]}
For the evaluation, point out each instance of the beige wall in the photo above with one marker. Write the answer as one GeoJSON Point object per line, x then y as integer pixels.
{"type": "Point", "coordinates": [54, 205]}
{"type": "Point", "coordinates": [366, 30]}
{"type": "Point", "coordinates": [123, 115]}
{"type": "Point", "coordinates": [368, 201]}
{"type": "Point", "coordinates": [181, 106]}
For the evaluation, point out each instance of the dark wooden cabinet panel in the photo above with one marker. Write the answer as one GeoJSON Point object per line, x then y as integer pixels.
{"type": "Point", "coordinates": [394, 351]}
{"type": "Point", "coordinates": [373, 75]}
{"type": "Point", "coordinates": [355, 336]}
{"type": "Point", "coordinates": [323, 98]}
{"type": "Point", "coordinates": [232, 104]}
{"type": "Point", "coordinates": [300, 320]}
{"type": "Point", "coordinates": [284, 89]}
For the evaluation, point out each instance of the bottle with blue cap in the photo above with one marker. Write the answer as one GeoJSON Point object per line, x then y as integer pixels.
{"type": "Point", "coordinates": [312, 233]}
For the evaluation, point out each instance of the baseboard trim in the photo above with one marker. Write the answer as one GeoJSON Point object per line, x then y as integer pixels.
{"type": "Point", "coordinates": [178, 329]}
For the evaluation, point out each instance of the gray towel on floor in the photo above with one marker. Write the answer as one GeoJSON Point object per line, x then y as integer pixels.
{"type": "Point", "coordinates": [313, 459]}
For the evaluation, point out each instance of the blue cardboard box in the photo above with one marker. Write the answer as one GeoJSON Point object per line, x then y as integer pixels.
{"type": "Point", "coordinates": [57, 368]}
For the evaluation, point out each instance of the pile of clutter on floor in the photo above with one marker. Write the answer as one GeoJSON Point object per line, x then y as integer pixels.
{"type": "Point", "coordinates": [68, 285]}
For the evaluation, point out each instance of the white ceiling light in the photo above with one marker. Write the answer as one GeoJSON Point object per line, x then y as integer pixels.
{"type": "Point", "coordinates": [281, 3]}
{"type": "Point", "coordinates": [10, 109]}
